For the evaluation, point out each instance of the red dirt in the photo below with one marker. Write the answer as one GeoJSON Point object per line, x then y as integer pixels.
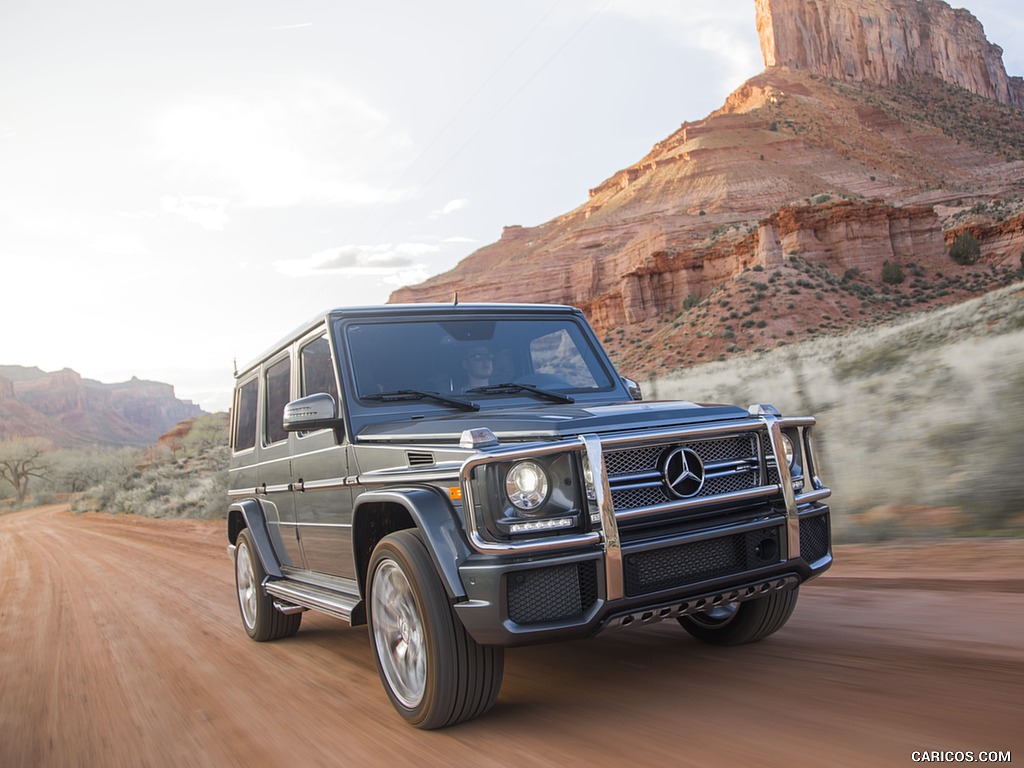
{"type": "Point", "coordinates": [120, 644]}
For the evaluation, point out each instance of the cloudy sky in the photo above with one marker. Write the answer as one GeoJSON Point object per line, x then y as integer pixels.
{"type": "Point", "coordinates": [181, 184]}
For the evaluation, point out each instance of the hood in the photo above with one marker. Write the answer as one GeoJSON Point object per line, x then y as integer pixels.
{"type": "Point", "coordinates": [551, 422]}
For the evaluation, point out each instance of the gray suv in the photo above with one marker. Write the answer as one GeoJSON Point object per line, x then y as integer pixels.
{"type": "Point", "coordinates": [464, 478]}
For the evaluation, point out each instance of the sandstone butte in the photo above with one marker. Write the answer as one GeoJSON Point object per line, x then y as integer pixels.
{"type": "Point", "coordinates": [879, 131]}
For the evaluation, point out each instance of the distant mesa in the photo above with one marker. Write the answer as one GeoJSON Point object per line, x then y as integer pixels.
{"type": "Point", "coordinates": [72, 411]}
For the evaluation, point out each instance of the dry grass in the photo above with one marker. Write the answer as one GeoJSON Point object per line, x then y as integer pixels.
{"type": "Point", "coordinates": [919, 422]}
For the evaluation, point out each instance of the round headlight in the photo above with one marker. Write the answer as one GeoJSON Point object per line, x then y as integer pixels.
{"type": "Point", "coordinates": [790, 450]}
{"type": "Point", "coordinates": [526, 485]}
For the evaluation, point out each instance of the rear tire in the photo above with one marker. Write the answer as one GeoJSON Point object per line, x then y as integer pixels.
{"type": "Point", "coordinates": [434, 672]}
{"type": "Point", "coordinates": [742, 622]}
{"type": "Point", "coordinates": [261, 620]}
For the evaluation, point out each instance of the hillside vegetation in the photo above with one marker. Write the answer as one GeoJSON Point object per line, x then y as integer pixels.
{"type": "Point", "coordinates": [918, 421]}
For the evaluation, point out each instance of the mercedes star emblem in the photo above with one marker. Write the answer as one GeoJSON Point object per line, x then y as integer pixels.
{"type": "Point", "coordinates": [683, 472]}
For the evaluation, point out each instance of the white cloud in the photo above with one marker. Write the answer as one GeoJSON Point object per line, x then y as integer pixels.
{"type": "Point", "coordinates": [387, 260]}
{"type": "Point", "coordinates": [299, 141]}
{"type": "Point", "coordinates": [206, 211]}
{"type": "Point", "coordinates": [450, 207]}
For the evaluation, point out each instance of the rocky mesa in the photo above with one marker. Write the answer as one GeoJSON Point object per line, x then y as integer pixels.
{"type": "Point", "coordinates": [72, 411]}
{"type": "Point", "coordinates": [815, 200]}
{"type": "Point", "coordinates": [885, 42]}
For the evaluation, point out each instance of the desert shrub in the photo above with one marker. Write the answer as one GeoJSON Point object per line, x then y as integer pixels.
{"type": "Point", "coordinates": [196, 487]}
{"type": "Point", "coordinates": [892, 273]}
{"type": "Point", "coordinates": [965, 249]}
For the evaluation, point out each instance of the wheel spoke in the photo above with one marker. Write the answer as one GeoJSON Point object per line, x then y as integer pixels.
{"type": "Point", "coordinates": [398, 634]}
{"type": "Point", "coordinates": [246, 579]}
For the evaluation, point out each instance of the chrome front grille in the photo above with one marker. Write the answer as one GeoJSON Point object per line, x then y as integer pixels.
{"type": "Point", "coordinates": [730, 464]}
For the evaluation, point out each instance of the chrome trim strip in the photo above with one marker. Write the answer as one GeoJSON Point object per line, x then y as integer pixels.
{"type": "Point", "coordinates": [327, 484]}
{"type": "Point", "coordinates": [774, 425]}
{"type": "Point", "coordinates": [614, 579]}
{"type": "Point", "coordinates": [371, 480]}
{"type": "Point", "coordinates": [654, 478]}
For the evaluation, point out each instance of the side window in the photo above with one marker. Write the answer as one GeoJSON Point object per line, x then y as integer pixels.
{"type": "Point", "coordinates": [278, 394]}
{"type": "Point", "coordinates": [245, 416]}
{"type": "Point", "coordinates": [316, 370]}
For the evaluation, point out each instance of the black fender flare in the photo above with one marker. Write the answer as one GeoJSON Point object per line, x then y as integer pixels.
{"type": "Point", "coordinates": [251, 514]}
{"type": "Point", "coordinates": [435, 518]}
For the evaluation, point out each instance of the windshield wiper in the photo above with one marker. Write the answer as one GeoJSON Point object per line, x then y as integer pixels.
{"type": "Point", "coordinates": [419, 394]}
{"type": "Point", "coordinates": [511, 387]}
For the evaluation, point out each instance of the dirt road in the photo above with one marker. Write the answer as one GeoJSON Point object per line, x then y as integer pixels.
{"type": "Point", "coordinates": [120, 645]}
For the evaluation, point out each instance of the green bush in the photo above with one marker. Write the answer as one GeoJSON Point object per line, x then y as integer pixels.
{"type": "Point", "coordinates": [892, 273]}
{"type": "Point", "coordinates": [965, 250]}
{"type": "Point", "coordinates": [691, 301]}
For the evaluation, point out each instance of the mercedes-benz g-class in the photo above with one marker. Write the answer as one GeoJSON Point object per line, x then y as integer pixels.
{"type": "Point", "coordinates": [465, 478]}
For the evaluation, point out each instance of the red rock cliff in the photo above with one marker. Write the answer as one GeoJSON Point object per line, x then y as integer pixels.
{"type": "Point", "coordinates": [885, 42]}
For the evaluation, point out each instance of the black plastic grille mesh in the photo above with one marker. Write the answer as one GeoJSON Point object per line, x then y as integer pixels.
{"type": "Point", "coordinates": [766, 446]}
{"type": "Point", "coordinates": [632, 460]}
{"type": "Point", "coordinates": [551, 594]}
{"type": "Point", "coordinates": [814, 538]}
{"type": "Point", "coordinates": [634, 498]}
{"type": "Point", "coordinates": [700, 560]}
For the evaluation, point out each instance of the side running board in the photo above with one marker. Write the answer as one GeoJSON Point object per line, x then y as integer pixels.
{"type": "Point", "coordinates": [345, 607]}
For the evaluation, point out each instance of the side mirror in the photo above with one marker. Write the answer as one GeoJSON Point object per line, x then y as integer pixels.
{"type": "Point", "coordinates": [311, 413]}
{"type": "Point", "coordinates": [633, 388]}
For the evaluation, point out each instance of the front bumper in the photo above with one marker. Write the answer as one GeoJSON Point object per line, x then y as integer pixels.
{"type": "Point", "coordinates": [541, 598]}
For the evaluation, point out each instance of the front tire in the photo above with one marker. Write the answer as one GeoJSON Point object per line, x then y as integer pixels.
{"type": "Point", "coordinates": [261, 620]}
{"type": "Point", "coordinates": [742, 622]}
{"type": "Point", "coordinates": [434, 672]}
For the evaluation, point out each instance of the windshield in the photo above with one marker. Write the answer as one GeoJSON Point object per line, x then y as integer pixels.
{"type": "Point", "coordinates": [474, 360]}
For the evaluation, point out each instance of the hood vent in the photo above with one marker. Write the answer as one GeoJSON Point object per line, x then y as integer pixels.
{"type": "Point", "coordinates": [420, 458]}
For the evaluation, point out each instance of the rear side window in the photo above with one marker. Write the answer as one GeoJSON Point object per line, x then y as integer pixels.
{"type": "Point", "coordinates": [278, 395]}
{"type": "Point", "coordinates": [317, 372]}
{"type": "Point", "coordinates": [245, 416]}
